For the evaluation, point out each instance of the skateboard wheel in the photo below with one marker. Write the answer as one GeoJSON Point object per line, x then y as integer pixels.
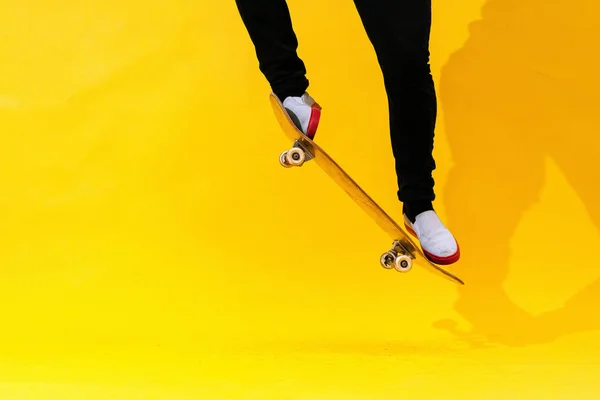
{"type": "Point", "coordinates": [387, 260]}
{"type": "Point", "coordinates": [403, 263]}
{"type": "Point", "coordinates": [283, 160]}
{"type": "Point", "coordinates": [295, 157]}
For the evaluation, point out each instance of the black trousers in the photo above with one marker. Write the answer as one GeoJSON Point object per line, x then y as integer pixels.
{"type": "Point", "coordinates": [399, 31]}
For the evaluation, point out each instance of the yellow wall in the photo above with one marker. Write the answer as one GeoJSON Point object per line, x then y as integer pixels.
{"type": "Point", "coordinates": [142, 205]}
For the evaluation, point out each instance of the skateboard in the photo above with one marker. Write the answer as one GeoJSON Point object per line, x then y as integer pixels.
{"type": "Point", "coordinates": [404, 252]}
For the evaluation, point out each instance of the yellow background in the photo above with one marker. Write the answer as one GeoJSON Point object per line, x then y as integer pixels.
{"type": "Point", "coordinates": [153, 248]}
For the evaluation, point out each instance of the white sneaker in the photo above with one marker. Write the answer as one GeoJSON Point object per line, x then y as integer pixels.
{"type": "Point", "coordinates": [305, 112]}
{"type": "Point", "coordinates": [437, 242]}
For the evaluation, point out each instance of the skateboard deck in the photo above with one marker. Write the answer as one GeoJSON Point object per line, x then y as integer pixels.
{"type": "Point", "coordinates": [404, 251]}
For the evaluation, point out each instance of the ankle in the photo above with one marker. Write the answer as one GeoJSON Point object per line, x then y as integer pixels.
{"type": "Point", "coordinates": [289, 93]}
{"type": "Point", "coordinates": [413, 208]}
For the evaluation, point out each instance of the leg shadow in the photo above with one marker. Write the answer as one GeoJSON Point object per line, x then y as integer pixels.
{"type": "Point", "coordinates": [514, 95]}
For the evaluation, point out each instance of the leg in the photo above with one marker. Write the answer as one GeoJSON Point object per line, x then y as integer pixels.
{"type": "Point", "coordinates": [399, 31]}
{"type": "Point", "coordinates": [270, 28]}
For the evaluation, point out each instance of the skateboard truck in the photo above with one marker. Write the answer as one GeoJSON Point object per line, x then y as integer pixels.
{"type": "Point", "coordinates": [296, 156]}
{"type": "Point", "coordinates": [396, 258]}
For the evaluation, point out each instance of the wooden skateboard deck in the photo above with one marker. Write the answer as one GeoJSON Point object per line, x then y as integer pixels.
{"type": "Point", "coordinates": [404, 250]}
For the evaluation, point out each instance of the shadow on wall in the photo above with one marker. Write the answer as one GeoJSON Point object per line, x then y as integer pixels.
{"type": "Point", "coordinates": [522, 88]}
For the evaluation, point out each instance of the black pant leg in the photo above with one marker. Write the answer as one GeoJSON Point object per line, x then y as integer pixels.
{"type": "Point", "coordinates": [399, 31]}
{"type": "Point", "coordinates": [270, 28]}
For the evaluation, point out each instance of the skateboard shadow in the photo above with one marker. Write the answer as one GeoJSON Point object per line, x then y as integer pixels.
{"type": "Point", "coordinates": [520, 90]}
